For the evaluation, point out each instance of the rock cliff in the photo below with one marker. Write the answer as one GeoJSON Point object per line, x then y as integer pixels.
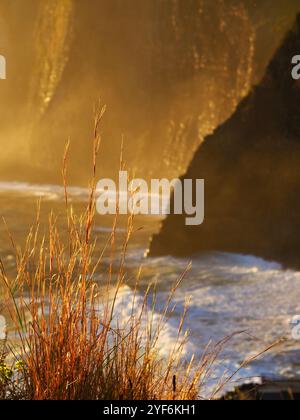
{"type": "Point", "coordinates": [251, 166]}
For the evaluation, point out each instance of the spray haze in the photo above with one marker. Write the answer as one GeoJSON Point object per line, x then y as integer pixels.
{"type": "Point", "coordinates": [170, 73]}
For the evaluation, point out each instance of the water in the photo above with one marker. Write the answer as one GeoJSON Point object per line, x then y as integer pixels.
{"type": "Point", "coordinates": [228, 293]}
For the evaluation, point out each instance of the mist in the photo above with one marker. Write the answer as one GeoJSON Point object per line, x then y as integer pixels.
{"type": "Point", "coordinates": [169, 72]}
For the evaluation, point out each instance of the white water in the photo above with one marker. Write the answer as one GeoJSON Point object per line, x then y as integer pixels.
{"type": "Point", "coordinates": [228, 294]}
{"type": "Point", "coordinates": [232, 294]}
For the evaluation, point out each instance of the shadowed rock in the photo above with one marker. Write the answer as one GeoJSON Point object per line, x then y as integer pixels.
{"type": "Point", "coordinates": [268, 391]}
{"type": "Point", "coordinates": [251, 166]}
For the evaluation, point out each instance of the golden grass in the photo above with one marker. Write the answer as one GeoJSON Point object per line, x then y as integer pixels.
{"type": "Point", "coordinates": [71, 345]}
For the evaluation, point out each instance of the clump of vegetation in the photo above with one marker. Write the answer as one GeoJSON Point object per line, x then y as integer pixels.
{"type": "Point", "coordinates": [71, 343]}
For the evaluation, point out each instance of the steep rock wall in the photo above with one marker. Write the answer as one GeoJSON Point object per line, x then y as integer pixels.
{"type": "Point", "coordinates": [251, 166]}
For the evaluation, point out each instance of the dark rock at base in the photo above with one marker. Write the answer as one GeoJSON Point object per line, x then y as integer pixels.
{"type": "Point", "coordinates": [251, 167]}
{"type": "Point", "coordinates": [269, 391]}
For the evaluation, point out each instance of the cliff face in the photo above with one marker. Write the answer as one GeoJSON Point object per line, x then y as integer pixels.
{"type": "Point", "coordinates": [251, 166]}
{"type": "Point", "coordinates": [142, 59]}
{"type": "Point", "coordinates": [170, 72]}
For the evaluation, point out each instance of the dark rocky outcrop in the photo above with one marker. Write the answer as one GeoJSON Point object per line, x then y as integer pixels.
{"type": "Point", "coordinates": [251, 166]}
{"type": "Point", "coordinates": [267, 391]}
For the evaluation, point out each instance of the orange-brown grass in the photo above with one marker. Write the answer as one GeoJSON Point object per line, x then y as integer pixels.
{"type": "Point", "coordinates": [71, 346]}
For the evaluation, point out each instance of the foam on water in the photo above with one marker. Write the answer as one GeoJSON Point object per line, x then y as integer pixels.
{"type": "Point", "coordinates": [53, 192]}
{"type": "Point", "coordinates": [243, 296]}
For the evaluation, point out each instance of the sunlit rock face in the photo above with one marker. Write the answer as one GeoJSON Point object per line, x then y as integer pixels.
{"type": "Point", "coordinates": [170, 72]}
{"type": "Point", "coordinates": [251, 168]}
{"type": "Point", "coordinates": [154, 64]}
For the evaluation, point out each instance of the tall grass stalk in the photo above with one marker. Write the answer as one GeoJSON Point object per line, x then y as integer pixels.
{"type": "Point", "coordinates": [71, 343]}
